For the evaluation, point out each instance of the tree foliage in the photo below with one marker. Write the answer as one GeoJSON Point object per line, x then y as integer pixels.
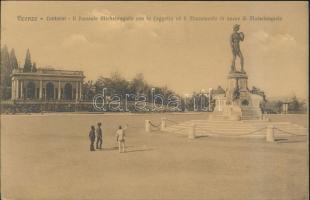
{"type": "Point", "coordinates": [116, 84]}
{"type": "Point", "coordinates": [34, 67]}
{"type": "Point", "coordinates": [28, 64]}
{"type": "Point", "coordinates": [295, 105]}
{"type": "Point", "coordinates": [13, 60]}
{"type": "Point", "coordinates": [6, 70]}
{"type": "Point", "coordinates": [8, 64]}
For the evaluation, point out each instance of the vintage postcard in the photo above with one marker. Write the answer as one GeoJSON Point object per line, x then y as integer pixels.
{"type": "Point", "coordinates": [141, 100]}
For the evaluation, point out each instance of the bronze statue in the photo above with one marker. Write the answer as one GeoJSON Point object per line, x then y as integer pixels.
{"type": "Point", "coordinates": [235, 39]}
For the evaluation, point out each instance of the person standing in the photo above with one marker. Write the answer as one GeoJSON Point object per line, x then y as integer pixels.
{"type": "Point", "coordinates": [99, 136]}
{"type": "Point", "coordinates": [92, 138]}
{"type": "Point", "coordinates": [120, 138]}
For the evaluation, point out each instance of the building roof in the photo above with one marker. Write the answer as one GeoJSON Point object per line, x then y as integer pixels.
{"type": "Point", "coordinates": [48, 72]}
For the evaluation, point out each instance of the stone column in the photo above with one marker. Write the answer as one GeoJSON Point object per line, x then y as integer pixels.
{"type": "Point", "coordinates": [41, 89]}
{"type": "Point", "coordinates": [59, 90]}
{"type": "Point", "coordinates": [80, 97]}
{"type": "Point", "coordinates": [22, 89]}
{"type": "Point", "coordinates": [76, 91]}
{"type": "Point", "coordinates": [17, 89]}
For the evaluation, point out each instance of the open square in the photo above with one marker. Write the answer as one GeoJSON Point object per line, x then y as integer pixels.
{"type": "Point", "coordinates": [47, 157]}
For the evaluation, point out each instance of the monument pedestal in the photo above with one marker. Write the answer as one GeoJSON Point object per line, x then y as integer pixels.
{"type": "Point", "coordinates": [237, 103]}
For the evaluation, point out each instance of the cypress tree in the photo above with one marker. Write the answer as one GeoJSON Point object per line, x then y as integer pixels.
{"type": "Point", "coordinates": [28, 65]}
{"type": "Point", "coordinates": [34, 67]}
{"type": "Point", "coordinates": [5, 66]}
{"type": "Point", "coordinates": [5, 73]}
{"type": "Point", "coordinates": [13, 60]}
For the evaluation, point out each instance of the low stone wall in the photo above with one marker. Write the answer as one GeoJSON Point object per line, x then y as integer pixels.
{"type": "Point", "coordinates": [37, 107]}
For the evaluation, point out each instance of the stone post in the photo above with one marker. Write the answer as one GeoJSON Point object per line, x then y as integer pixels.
{"type": "Point", "coordinates": [163, 124]}
{"type": "Point", "coordinates": [191, 131]}
{"type": "Point", "coordinates": [270, 133]}
{"type": "Point", "coordinates": [147, 126]}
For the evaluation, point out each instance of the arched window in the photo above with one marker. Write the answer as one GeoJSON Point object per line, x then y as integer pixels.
{"type": "Point", "coordinates": [49, 91]}
{"type": "Point", "coordinates": [30, 90]}
{"type": "Point", "coordinates": [68, 91]}
{"type": "Point", "coordinates": [245, 102]}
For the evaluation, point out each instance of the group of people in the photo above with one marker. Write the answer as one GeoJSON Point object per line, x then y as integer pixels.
{"type": "Point", "coordinates": [97, 134]}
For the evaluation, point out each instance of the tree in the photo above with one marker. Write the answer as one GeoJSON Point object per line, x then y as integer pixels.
{"type": "Point", "coordinates": [137, 84]}
{"type": "Point", "coordinates": [5, 65]}
{"type": "Point", "coordinates": [116, 84]}
{"type": "Point", "coordinates": [5, 73]}
{"type": "Point", "coordinates": [34, 67]}
{"type": "Point", "coordinates": [13, 60]}
{"type": "Point", "coordinates": [28, 64]}
{"type": "Point", "coordinates": [88, 90]}
{"type": "Point", "coordinates": [296, 105]}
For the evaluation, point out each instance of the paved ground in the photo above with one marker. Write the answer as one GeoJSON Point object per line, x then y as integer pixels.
{"type": "Point", "coordinates": [47, 157]}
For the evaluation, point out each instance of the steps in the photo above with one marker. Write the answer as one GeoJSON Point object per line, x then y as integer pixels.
{"type": "Point", "coordinates": [246, 112]}
{"type": "Point", "coordinates": [251, 113]}
{"type": "Point", "coordinates": [229, 128]}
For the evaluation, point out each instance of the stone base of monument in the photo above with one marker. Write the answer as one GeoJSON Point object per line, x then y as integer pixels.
{"type": "Point", "coordinates": [236, 113]}
{"type": "Point", "coordinates": [251, 113]}
{"type": "Point", "coordinates": [228, 112]}
{"type": "Point", "coordinates": [238, 103]}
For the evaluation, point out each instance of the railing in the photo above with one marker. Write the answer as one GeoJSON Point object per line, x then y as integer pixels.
{"type": "Point", "coordinates": [270, 131]}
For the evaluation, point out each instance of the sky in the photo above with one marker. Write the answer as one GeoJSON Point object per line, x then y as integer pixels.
{"type": "Point", "coordinates": [183, 55]}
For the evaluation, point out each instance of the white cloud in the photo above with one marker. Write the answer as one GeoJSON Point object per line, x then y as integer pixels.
{"type": "Point", "coordinates": [145, 26]}
{"type": "Point", "coordinates": [101, 12]}
{"type": "Point", "coordinates": [271, 42]}
{"type": "Point", "coordinates": [106, 25]}
{"type": "Point", "coordinates": [261, 36]}
{"type": "Point", "coordinates": [75, 39]}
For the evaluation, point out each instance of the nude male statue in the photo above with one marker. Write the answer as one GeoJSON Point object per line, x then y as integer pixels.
{"type": "Point", "coordinates": [235, 39]}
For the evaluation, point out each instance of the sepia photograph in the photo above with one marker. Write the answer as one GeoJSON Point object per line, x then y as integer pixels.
{"type": "Point", "coordinates": [154, 100]}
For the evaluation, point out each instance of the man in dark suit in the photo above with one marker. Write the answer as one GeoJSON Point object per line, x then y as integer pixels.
{"type": "Point", "coordinates": [99, 136]}
{"type": "Point", "coordinates": [92, 138]}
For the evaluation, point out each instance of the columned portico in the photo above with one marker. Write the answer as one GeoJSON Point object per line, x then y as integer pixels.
{"type": "Point", "coordinates": [47, 85]}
